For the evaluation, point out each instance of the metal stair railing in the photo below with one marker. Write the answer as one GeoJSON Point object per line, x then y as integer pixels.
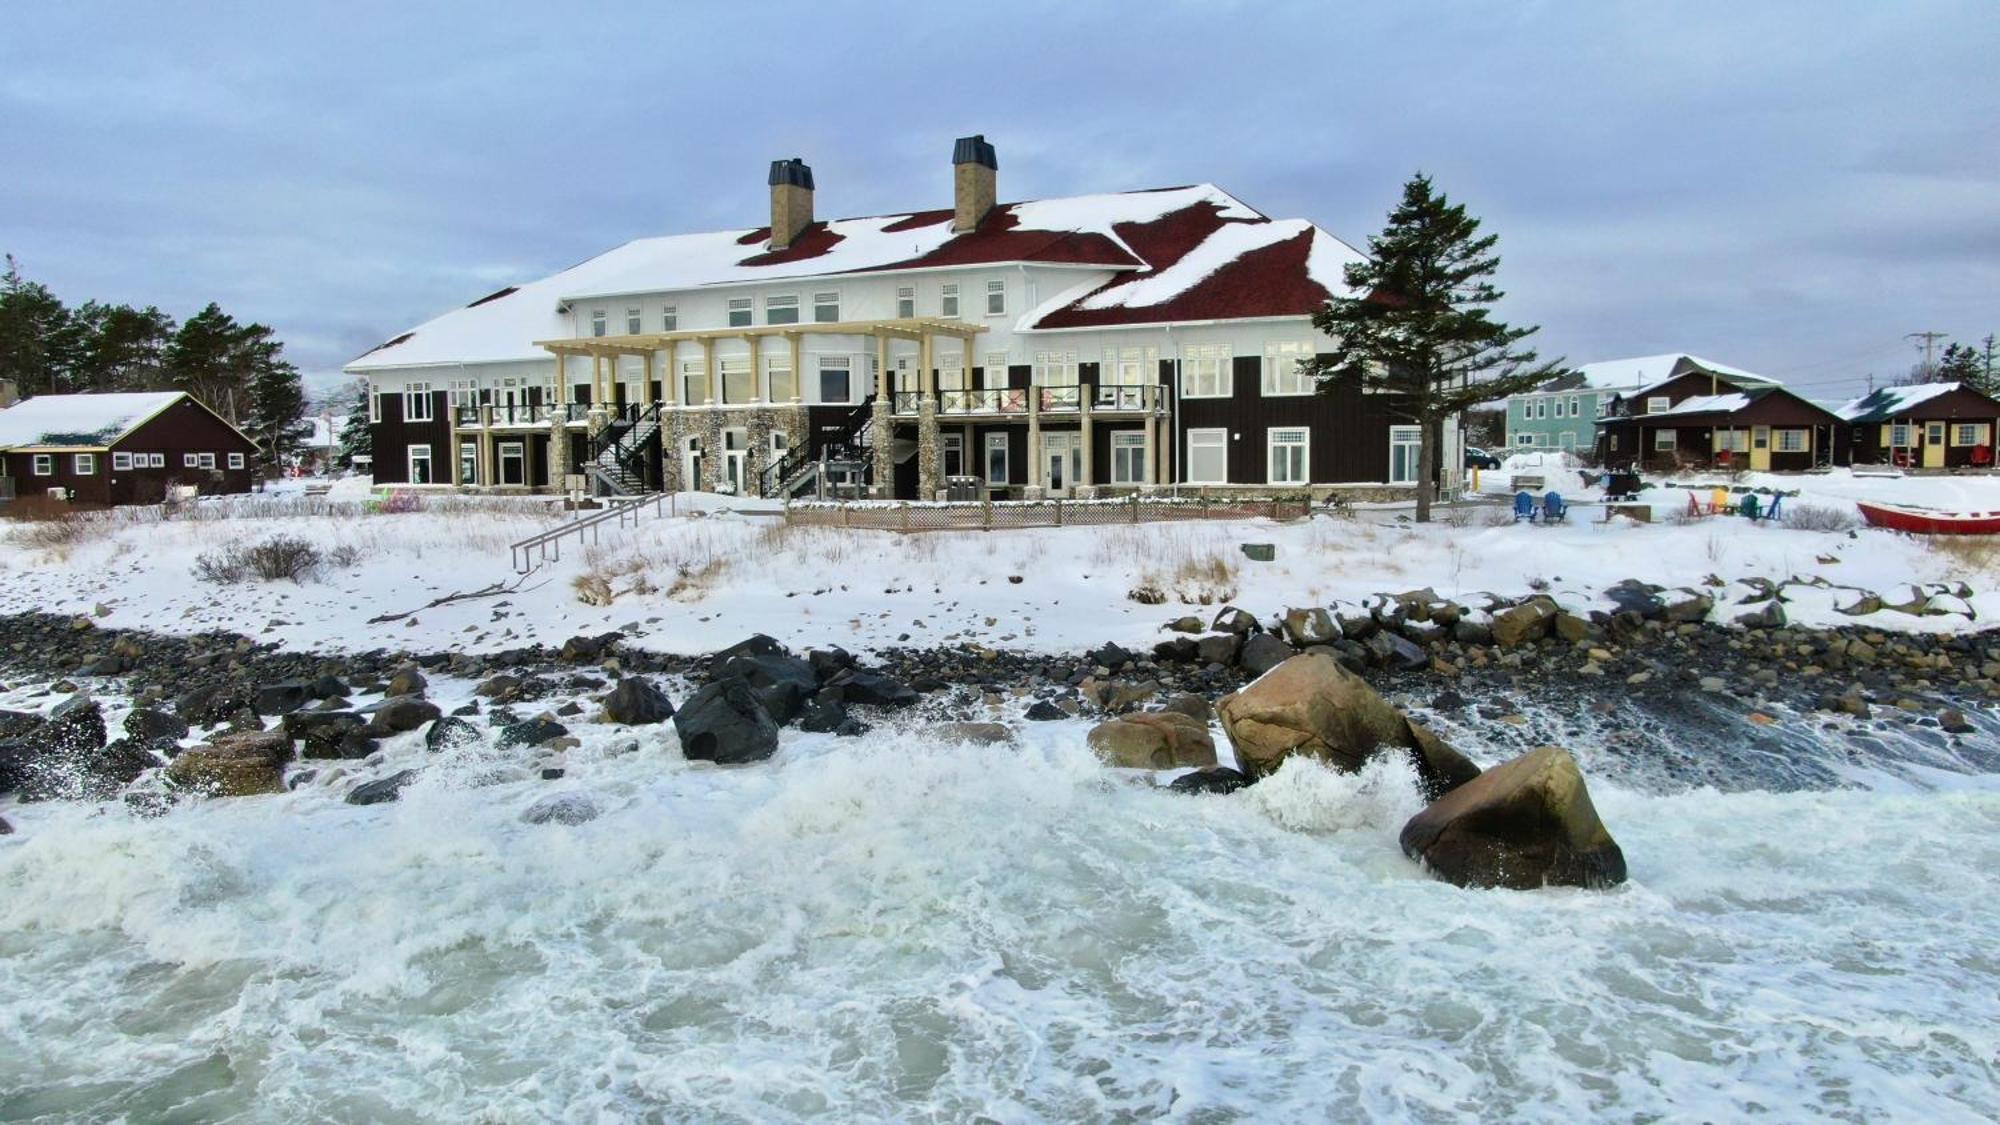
{"type": "Point", "coordinates": [538, 550]}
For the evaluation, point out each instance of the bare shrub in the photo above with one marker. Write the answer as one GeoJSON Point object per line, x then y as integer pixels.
{"type": "Point", "coordinates": [279, 557]}
{"type": "Point", "coordinates": [1819, 517]}
{"type": "Point", "coordinates": [344, 557]}
{"type": "Point", "coordinates": [592, 588]}
{"type": "Point", "coordinates": [221, 568]}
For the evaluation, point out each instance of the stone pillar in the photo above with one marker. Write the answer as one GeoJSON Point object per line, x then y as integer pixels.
{"type": "Point", "coordinates": [1087, 472]}
{"type": "Point", "coordinates": [558, 453]}
{"type": "Point", "coordinates": [885, 454]}
{"type": "Point", "coordinates": [1034, 477]}
{"type": "Point", "coordinates": [928, 476]}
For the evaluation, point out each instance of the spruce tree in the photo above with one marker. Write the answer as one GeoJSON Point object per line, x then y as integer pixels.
{"type": "Point", "coordinates": [122, 348]}
{"type": "Point", "coordinates": [208, 359]}
{"type": "Point", "coordinates": [1961, 363]}
{"type": "Point", "coordinates": [1420, 328]}
{"type": "Point", "coordinates": [356, 439]}
{"type": "Point", "coordinates": [37, 338]}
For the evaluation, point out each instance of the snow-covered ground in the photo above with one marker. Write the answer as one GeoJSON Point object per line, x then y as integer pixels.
{"type": "Point", "coordinates": [713, 574]}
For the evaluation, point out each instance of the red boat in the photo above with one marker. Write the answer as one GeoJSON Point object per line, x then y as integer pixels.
{"type": "Point", "coordinates": [1929, 521]}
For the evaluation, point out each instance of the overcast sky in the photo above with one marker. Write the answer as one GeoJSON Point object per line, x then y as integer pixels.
{"type": "Point", "coordinates": [1785, 187]}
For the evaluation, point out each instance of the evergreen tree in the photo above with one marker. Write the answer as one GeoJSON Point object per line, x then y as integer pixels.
{"type": "Point", "coordinates": [277, 419]}
{"type": "Point", "coordinates": [122, 348]}
{"type": "Point", "coordinates": [37, 338]}
{"type": "Point", "coordinates": [356, 439]}
{"type": "Point", "coordinates": [209, 358]}
{"type": "Point", "coordinates": [1420, 329]}
{"type": "Point", "coordinates": [1961, 363]}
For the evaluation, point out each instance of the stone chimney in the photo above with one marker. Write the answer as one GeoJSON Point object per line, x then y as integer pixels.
{"type": "Point", "coordinates": [974, 169]}
{"type": "Point", "coordinates": [791, 201]}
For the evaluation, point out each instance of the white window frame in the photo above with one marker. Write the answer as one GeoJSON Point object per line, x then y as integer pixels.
{"type": "Point", "coordinates": [906, 302]}
{"type": "Point", "coordinates": [157, 460]}
{"type": "Point", "coordinates": [1666, 439]}
{"type": "Point", "coordinates": [996, 298]}
{"type": "Point", "coordinates": [670, 319]}
{"type": "Point", "coordinates": [694, 383]}
{"type": "Point", "coordinates": [741, 367]}
{"type": "Point", "coordinates": [831, 363]}
{"type": "Point", "coordinates": [468, 462]}
{"type": "Point", "coordinates": [597, 323]}
{"type": "Point", "coordinates": [1968, 433]}
{"type": "Point", "coordinates": [417, 403]}
{"type": "Point", "coordinates": [1056, 369]}
{"type": "Point", "coordinates": [236, 461]}
{"type": "Point", "coordinates": [188, 460]}
{"type": "Point", "coordinates": [464, 392]}
{"type": "Point", "coordinates": [429, 468]}
{"type": "Point", "coordinates": [1217, 439]}
{"type": "Point", "coordinates": [83, 464]}
{"type": "Point", "coordinates": [1288, 438]}
{"type": "Point", "coordinates": [779, 306]}
{"type": "Point", "coordinates": [948, 300]}
{"type": "Point", "coordinates": [1524, 439]}
{"type": "Point", "coordinates": [1409, 437]}
{"type": "Point", "coordinates": [204, 460]}
{"type": "Point", "coordinates": [121, 462]}
{"type": "Point", "coordinates": [995, 443]}
{"type": "Point", "coordinates": [779, 368]}
{"type": "Point", "coordinates": [824, 301]}
{"type": "Point", "coordinates": [1785, 439]}
{"type": "Point", "coordinates": [1603, 406]}
{"type": "Point", "coordinates": [1656, 404]}
{"type": "Point", "coordinates": [1575, 407]}
{"type": "Point", "coordinates": [744, 306]}
{"type": "Point", "coordinates": [1130, 468]}
{"type": "Point", "coordinates": [635, 321]}
{"type": "Point", "coordinates": [44, 465]}
{"type": "Point", "coordinates": [374, 407]}
{"type": "Point", "coordinates": [1282, 377]}
{"type": "Point", "coordinates": [994, 372]}
{"type": "Point", "coordinates": [947, 445]}
{"type": "Point", "coordinates": [1900, 434]}
{"type": "Point", "coordinates": [1212, 359]}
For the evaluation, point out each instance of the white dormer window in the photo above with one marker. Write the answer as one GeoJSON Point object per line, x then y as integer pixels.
{"type": "Point", "coordinates": [1656, 404]}
{"type": "Point", "coordinates": [1283, 373]}
{"type": "Point", "coordinates": [996, 298]}
{"type": "Point", "coordinates": [948, 300]}
{"type": "Point", "coordinates": [906, 301]}
{"type": "Point", "coordinates": [781, 310]}
{"type": "Point", "coordinates": [826, 308]}
{"type": "Point", "coordinates": [597, 322]}
{"type": "Point", "coordinates": [633, 326]}
{"type": "Point", "coordinates": [670, 319]}
{"type": "Point", "coordinates": [740, 312]}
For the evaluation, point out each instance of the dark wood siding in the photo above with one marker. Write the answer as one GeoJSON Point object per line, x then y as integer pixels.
{"type": "Point", "coordinates": [184, 428]}
{"type": "Point", "coordinates": [393, 438]}
{"type": "Point", "coordinates": [1350, 430]}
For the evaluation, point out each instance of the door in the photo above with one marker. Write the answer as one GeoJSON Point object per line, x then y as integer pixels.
{"type": "Point", "coordinates": [1933, 445]}
{"type": "Point", "coordinates": [1061, 460]}
{"type": "Point", "coordinates": [691, 465]}
{"type": "Point", "coordinates": [951, 454]}
{"type": "Point", "coordinates": [513, 463]}
{"type": "Point", "coordinates": [1760, 449]}
{"type": "Point", "coordinates": [735, 462]}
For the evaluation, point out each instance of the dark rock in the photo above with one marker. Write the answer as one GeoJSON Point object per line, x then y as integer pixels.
{"type": "Point", "coordinates": [1189, 704]}
{"type": "Point", "coordinates": [1523, 824]}
{"type": "Point", "coordinates": [207, 706]}
{"type": "Point", "coordinates": [150, 724]}
{"type": "Point", "coordinates": [538, 731]}
{"type": "Point", "coordinates": [1632, 596]}
{"type": "Point", "coordinates": [403, 713]}
{"type": "Point", "coordinates": [724, 722]}
{"type": "Point", "coordinates": [635, 702]}
{"type": "Point", "coordinates": [328, 687]}
{"type": "Point", "coordinates": [1953, 721]}
{"type": "Point", "coordinates": [502, 688]}
{"type": "Point", "coordinates": [6, 829]}
{"type": "Point", "coordinates": [1111, 656]}
{"type": "Point", "coordinates": [1392, 650]}
{"type": "Point", "coordinates": [829, 661]}
{"type": "Point", "coordinates": [823, 714]}
{"type": "Point", "coordinates": [587, 650]}
{"type": "Point", "coordinates": [553, 773]}
{"type": "Point", "coordinates": [1215, 779]}
{"type": "Point", "coordinates": [320, 732]}
{"type": "Point", "coordinates": [1447, 701]}
{"type": "Point", "coordinates": [755, 645]}
{"type": "Point", "coordinates": [1218, 648]}
{"type": "Point", "coordinates": [450, 733]}
{"type": "Point", "coordinates": [409, 681]}
{"type": "Point", "coordinates": [1233, 620]}
{"type": "Point", "coordinates": [1471, 631]}
{"type": "Point", "coordinates": [1262, 652]}
{"type": "Point", "coordinates": [873, 689]}
{"type": "Point", "coordinates": [382, 790]}
{"type": "Point", "coordinates": [562, 808]}
{"type": "Point", "coordinates": [281, 698]}
{"type": "Point", "coordinates": [1177, 650]}
{"type": "Point", "coordinates": [1042, 711]}
{"type": "Point", "coordinates": [1770, 615]}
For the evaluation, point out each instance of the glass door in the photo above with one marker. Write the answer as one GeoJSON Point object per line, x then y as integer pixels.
{"type": "Point", "coordinates": [513, 463]}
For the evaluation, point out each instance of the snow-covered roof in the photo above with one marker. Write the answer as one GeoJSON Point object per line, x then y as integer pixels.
{"type": "Point", "coordinates": [1892, 402]}
{"type": "Point", "coordinates": [1704, 404]}
{"type": "Point", "coordinates": [1642, 372]}
{"type": "Point", "coordinates": [1179, 254]}
{"type": "Point", "coordinates": [79, 420]}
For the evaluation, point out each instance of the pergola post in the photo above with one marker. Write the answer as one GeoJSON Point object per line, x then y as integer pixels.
{"type": "Point", "coordinates": [927, 423]}
{"type": "Point", "coordinates": [714, 394]}
{"type": "Point", "coordinates": [798, 366]}
{"type": "Point", "coordinates": [646, 388]}
{"type": "Point", "coordinates": [884, 426]}
{"type": "Point", "coordinates": [1035, 478]}
{"type": "Point", "coordinates": [1086, 474]}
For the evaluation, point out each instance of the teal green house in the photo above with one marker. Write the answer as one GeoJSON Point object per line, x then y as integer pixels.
{"type": "Point", "coordinates": [1562, 413]}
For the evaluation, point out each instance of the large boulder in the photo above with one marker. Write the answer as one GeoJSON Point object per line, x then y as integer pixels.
{"type": "Point", "coordinates": [1391, 650]}
{"type": "Point", "coordinates": [724, 722]}
{"type": "Point", "coordinates": [382, 790]}
{"type": "Point", "coordinates": [150, 724]}
{"type": "Point", "coordinates": [207, 706]}
{"type": "Point", "coordinates": [238, 768]}
{"type": "Point", "coordinates": [1216, 779]}
{"type": "Point", "coordinates": [400, 713]}
{"type": "Point", "coordinates": [634, 702]}
{"type": "Point", "coordinates": [1636, 597]}
{"type": "Point", "coordinates": [782, 682]}
{"type": "Point", "coordinates": [1523, 824]}
{"type": "Point", "coordinates": [329, 734]}
{"type": "Point", "coordinates": [1262, 652]}
{"type": "Point", "coordinates": [282, 698]}
{"type": "Point", "coordinates": [562, 808]}
{"type": "Point", "coordinates": [1238, 621]}
{"type": "Point", "coordinates": [541, 730]}
{"type": "Point", "coordinates": [62, 755]}
{"type": "Point", "coordinates": [1218, 648]}
{"type": "Point", "coordinates": [1158, 740]}
{"type": "Point", "coordinates": [450, 733]}
{"type": "Point", "coordinates": [1304, 627]}
{"type": "Point", "coordinates": [1523, 624]}
{"type": "Point", "coordinates": [873, 689]}
{"type": "Point", "coordinates": [1311, 705]}
{"type": "Point", "coordinates": [824, 713]}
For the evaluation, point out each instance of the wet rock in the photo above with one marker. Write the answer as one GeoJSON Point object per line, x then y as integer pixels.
{"type": "Point", "coordinates": [382, 790]}
{"type": "Point", "coordinates": [241, 769]}
{"type": "Point", "coordinates": [407, 681]}
{"type": "Point", "coordinates": [1523, 824]}
{"type": "Point", "coordinates": [1218, 648]}
{"type": "Point", "coordinates": [872, 689]}
{"type": "Point", "coordinates": [1953, 721]}
{"type": "Point", "coordinates": [829, 661]}
{"type": "Point", "coordinates": [1157, 741]}
{"type": "Point", "coordinates": [6, 829]}
{"type": "Point", "coordinates": [823, 713]}
{"type": "Point", "coordinates": [979, 734]}
{"type": "Point", "coordinates": [724, 722]}
{"type": "Point", "coordinates": [1240, 622]}
{"type": "Point", "coordinates": [563, 808]}
{"type": "Point", "coordinates": [1215, 779]}
{"type": "Point", "coordinates": [281, 698]}
{"type": "Point", "coordinates": [1262, 652]}
{"type": "Point", "coordinates": [1187, 703]}
{"type": "Point", "coordinates": [502, 688]}
{"type": "Point", "coordinates": [1392, 650]}
{"type": "Point", "coordinates": [207, 706]}
{"type": "Point", "coordinates": [450, 733]}
{"type": "Point", "coordinates": [1311, 705]}
{"type": "Point", "coordinates": [321, 734]}
{"type": "Point", "coordinates": [151, 724]}
{"type": "Point", "coordinates": [538, 731]}
{"type": "Point", "coordinates": [402, 713]}
{"type": "Point", "coordinates": [635, 702]}
{"type": "Point", "coordinates": [1042, 711]}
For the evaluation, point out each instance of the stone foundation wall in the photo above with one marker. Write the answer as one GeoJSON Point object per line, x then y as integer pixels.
{"type": "Point", "coordinates": [758, 423]}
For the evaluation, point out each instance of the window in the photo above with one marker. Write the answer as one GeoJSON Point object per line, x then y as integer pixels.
{"type": "Point", "coordinates": [1288, 455]}
{"type": "Point", "coordinates": [236, 460]}
{"type": "Point", "coordinates": [906, 301]}
{"type": "Point", "coordinates": [468, 463]}
{"type": "Point", "coordinates": [633, 326]}
{"type": "Point", "coordinates": [835, 383]}
{"type": "Point", "coordinates": [1055, 369]}
{"type": "Point", "coordinates": [1282, 373]}
{"type": "Point", "coordinates": [996, 298]}
{"type": "Point", "coordinates": [739, 312]}
{"type": "Point", "coordinates": [1791, 441]}
{"type": "Point", "coordinates": [1656, 403]}
{"type": "Point", "coordinates": [597, 322]}
{"type": "Point", "coordinates": [84, 464]}
{"type": "Point", "coordinates": [121, 461]}
{"type": "Point", "coordinates": [1733, 441]}
{"type": "Point", "coordinates": [1575, 407]}
{"type": "Point", "coordinates": [1665, 440]}
{"type": "Point", "coordinates": [948, 300]}
{"type": "Point", "coordinates": [420, 464]}
{"type": "Point", "coordinates": [670, 319]}
{"type": "Point", "coordinates": [1207, 456]}
{"type": "Point", "coordinates": [1542, 409]}
{"type": "Point", "coordinates": [45, 464]}
{"type": "Point", "coordinates": [417, 402]}
{"type": "Point", "coordinates": [464, 393]}
{"type": "Point", "coordinates": [1125, 373]}
{"type": "Point", "coordinates": [739, 378]}
{"type": "Point", "coordinates": [694, 382]}
{"type": "Point", "coordinates": [1603, 408]}
{"type": "Point", "coordinates": [1969, 433]}
{"type": "Point", "coordinates": [1760, 437]}
{"type": "Point", "coordinates": [204, 460]}
{"type": "Point", "coordinates": [157, 460]}
{"type": "Point", "coordinates": [1524, 439]}
{"type": "Point", "coordinates": [188, 460]}
{"type": "Point", "coordinates": [996, 460]}
{"type": "Point", "coordinates": [778, 374]}
{"type": "Point", "coordinates": [1205, 371]}
{"type": "Point", "coordinates": [781, 310]}
{"type": "Point", "coordinates": [994, 374]}
{"type": "Point", "coordinates": [1128, 457]}
{"type": "Point", "coordinates": [1899, 435]}
{"type": "Point", "coordinates": [1405, 450]}
{"type": "Point", "coordinates": [826, 308]}
{"type": "Point", "coordinates": [374, 407]}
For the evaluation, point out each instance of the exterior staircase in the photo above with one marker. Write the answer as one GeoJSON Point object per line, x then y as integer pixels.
{"type": "Point", "coordinates": [615, 464]}
{"type": "Point", "coordinates": [845, 463]}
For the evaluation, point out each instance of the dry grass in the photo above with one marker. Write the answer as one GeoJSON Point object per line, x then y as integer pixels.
{"type": "Point", "coordinates": [1972, 556]}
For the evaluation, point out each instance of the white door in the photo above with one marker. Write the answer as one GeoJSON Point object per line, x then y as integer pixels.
{"type": "Point", "coordinates": [691, 465]}
{"type": "Point", "coordinates": [513, 463]}
{"type": "Point", "coordinates": [1061, 461]}
{"type": "Point", "coordinates": [734, 454]}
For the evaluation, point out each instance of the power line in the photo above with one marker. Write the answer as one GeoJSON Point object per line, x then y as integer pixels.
{"type": "Point", "coordinates": [1930, 340]}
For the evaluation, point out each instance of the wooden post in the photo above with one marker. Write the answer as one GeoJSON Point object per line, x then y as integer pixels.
{"type": "Point", "coordinates": [714, 393]}
{"type": "Point", "coordinates": [646, 388]}
{"type": "Point", "coordinates": [882, 370]}
{"type": "Point", "coordinates": [1152, 474]}
{"type": "Point", "coordinates": [798, 366]}
{"type": "Point", "coordinates": [670, 374]}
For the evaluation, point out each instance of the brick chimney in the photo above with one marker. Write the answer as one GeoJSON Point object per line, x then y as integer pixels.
{"type": "Point", "coordinates": [791, 201]}
{"type": "Point", "coordinates": [974, 169]}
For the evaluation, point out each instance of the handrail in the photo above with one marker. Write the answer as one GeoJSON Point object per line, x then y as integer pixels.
{"type": "Point", "coordinates": [546, 546]}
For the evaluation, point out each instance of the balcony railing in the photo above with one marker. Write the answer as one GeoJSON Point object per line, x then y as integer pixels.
{"type": "Point", "coordinates": [522, 414]}
{"type": "Point", "coordinates": [1047, 400]}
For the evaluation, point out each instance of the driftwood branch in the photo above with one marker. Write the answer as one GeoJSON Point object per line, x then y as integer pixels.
{"type": "Point", "coordinates": [492, 591]}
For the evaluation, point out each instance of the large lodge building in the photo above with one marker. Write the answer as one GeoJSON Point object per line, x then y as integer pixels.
{"type": "Point", "coordinates": [1083, 346]}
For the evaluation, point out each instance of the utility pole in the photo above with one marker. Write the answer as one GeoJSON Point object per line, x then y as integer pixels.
{"type": "Point", "coordinates": [1930, 340]}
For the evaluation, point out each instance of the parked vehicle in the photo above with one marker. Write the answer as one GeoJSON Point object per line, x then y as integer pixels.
{"type": "Point", "coordinates": [1477, 458]}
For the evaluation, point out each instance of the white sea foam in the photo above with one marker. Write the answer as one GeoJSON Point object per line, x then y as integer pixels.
{"type": "Point", "coordinates": [886, 928]}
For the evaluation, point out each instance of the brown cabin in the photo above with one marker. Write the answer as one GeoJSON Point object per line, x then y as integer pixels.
{"type": "Point", "coordinates": [1704, 421]}
{"type": "Point", "coordinates": [1926, 426]}
{"type": "Point", "coordinates": [101, 450]}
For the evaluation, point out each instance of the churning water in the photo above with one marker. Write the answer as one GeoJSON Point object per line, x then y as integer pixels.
{"type": "Point", "coordinates": [889, 928]}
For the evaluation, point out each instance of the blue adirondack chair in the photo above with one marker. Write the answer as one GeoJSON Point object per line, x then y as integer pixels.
{"type": "Point", "coordinates": [1553, 508]}
{"type": "Point", "coordinates": [1524, 507]}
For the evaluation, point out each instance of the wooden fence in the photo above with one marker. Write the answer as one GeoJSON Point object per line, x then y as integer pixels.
{"type": "Point", "coordinates": [1006, 515]}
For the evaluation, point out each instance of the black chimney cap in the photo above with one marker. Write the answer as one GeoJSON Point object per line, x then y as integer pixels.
{"type": "Point", "coordinates": [974, 150]}
{"type": "Point", "coordinates": [793, 171]}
